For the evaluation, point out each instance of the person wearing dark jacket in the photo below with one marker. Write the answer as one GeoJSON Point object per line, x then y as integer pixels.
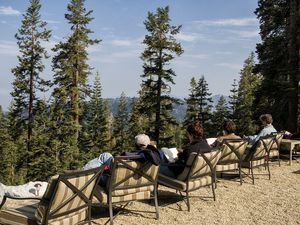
{"type": "Point", "coordinates": [194, 133]}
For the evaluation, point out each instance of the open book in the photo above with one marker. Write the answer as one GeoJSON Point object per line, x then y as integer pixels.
{"type": "Point", "coordinates": [170, 153]}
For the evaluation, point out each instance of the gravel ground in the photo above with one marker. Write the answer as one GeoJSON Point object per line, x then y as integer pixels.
{"type": "Point", "coordinates": [275, 201]}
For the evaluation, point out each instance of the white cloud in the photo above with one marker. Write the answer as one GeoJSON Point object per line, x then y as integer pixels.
{"type": "Point", "coordinates": [9, 11]}
{"type": "Point", "coordinates": [52, 21]}
{"type": "Point", "coordinates": [247, 33]}
{"type": "Point", "coordinates": [121, 43]}
{"type": "Point", "coordinates": [230, 65]}
{"type": "Point", "coordinates": [116, 56]}
{"type": "Point", "coordinates": [186, 37]}
{"type": "Point", "coordinates": [240, 22]}
{"type": "Point", "coordinates": [8, 48]}
{"type": "Point", "coordinates": [223, 53]}
{"type": "Point", "coordinates": [197, 56]}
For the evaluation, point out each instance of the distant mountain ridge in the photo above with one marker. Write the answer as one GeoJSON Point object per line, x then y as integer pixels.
{"type": "Point", "coordinates": [179, 110]}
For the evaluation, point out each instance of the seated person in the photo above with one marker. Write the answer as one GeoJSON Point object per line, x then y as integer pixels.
{"type": "Point", "coordinates": [266, 120]}
{"type": "Point", "coordinates": [144, 149]}
{"type": "Point", "coordinates": [142, 145]}
{"type": "Point", "coordinates": [194, 133]}
{"type": "Point", "coordinates": [229, 128]}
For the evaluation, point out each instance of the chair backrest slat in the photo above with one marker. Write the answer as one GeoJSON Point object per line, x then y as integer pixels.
{"type": "Point", "coordinates": [127, 173]}
{"type": "Point", "coordinates": [232, 150]}
{"type": "Point", "coordinates": [202, 164]}
{"type": "Point", "coordinates": [71, 197]}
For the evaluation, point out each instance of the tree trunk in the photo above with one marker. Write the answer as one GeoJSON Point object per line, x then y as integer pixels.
{"type": "Point", "coordinates": [158, 100]}
{"type": "Point", "coordinates": [293, 61]}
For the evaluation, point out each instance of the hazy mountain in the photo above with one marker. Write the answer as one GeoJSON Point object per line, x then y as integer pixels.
{"type": "Point", "coordinates": [179, 110]}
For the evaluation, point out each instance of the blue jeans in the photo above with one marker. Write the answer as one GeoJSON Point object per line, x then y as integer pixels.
{"type": "Point", "coordinates": [165, 170]}
{"type": "Point", "coordinates": [103, 159]}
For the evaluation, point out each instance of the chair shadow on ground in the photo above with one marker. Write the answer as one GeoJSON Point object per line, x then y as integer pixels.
{"type": "Point", "coordinates": [296, 172]}
{"type": "Point", "coordinates": [102, 211]}
{"type": "Point", "coordinates": [166, 198]}
{"type": "Point", "coordinates": [173, 200]}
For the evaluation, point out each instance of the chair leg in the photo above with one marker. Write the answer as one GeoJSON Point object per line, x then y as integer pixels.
{"type": "Point", "coordinates": [188, 201]}
{"type": "Point", "coordinates": [269, 171]}
{"type": "Point", "coordinates": [89, 215]}
{"type": "Point", "coordinates": [240, 174]}
{"type": "Point", "coordinates": [155, 201]}
{"type": "Point", "coordinates": [213, 191]}
{"type": "Point", "coordinates": [215, 179]}
{"type": "Point", "coordinates": [278, 158]}
{"type": "Point", "coordinates": [252, 172]}
{"type": "Point", "coordinates": [110, 211]}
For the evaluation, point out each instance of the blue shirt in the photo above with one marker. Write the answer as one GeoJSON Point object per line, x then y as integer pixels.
{"type": "Point", "coordinates": [269, 129]}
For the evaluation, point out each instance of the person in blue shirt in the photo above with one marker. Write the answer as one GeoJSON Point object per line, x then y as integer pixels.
{"type": "Point", "coordinates": [266, 120]}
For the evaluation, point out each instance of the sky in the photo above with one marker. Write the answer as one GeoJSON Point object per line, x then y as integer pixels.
{"type": "Point", "coordinates": [217, 36]}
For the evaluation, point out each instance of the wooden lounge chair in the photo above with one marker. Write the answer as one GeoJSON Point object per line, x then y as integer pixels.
{"type": "Point", "coordinates": [258, 155]}
{"type": "Point", "coordinates": [130, 180]}
{"type": "Point", "coordinates": [231, 157]}
{"type": "Point", "coordinates": [198, 172]}
{"type": "Point", "coordinates": [67, 201]}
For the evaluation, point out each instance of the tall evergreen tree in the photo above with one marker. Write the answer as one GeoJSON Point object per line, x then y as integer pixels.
{"type": "Point", "coordinates": [248, 85]}
{"type": "Point", "coordinates": [70, 78]}
{"type": "Point", "coordinates": [233, 100]}
{"type": "Point", "coordinates": [27, 74]}
{"type": "Point", "coordinates": [136, 123]}
{"type": "Point", "coordinates": [120, 126]}
{"type": "Point", "coordinates": [96, 121]}
{"type": "Point", "coordinates": [279, 61]}
{"type": "Point", "coordinates": [204, 103]}
{"type": "Point", "coordinates": [192, 111]}
{"type": "Point", "coordinates": [8, 153]}
{"type": "Point", "coordinates": [42, 162]}
{"type": "Point", "coordinates": [161, 48]}
{"type": "Point", "coordinates": [220, 116]}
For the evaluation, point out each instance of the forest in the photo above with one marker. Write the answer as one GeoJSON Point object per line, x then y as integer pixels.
{"type": "Point", "coordinates": [41, 138]}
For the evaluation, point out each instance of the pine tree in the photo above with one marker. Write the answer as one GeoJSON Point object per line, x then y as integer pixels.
{"type": "Point", "coordinates": [220, 116]}
{"type": "Point", "coordinates": [27, 74]}
{"type": "Point", "coordinates": [19, 150]}
{"type": "Point", "coordinates": [161, 48]}
{"type": "Point", "coordinates": [192, 111]}
{"type": "Point", "coordinates": [120, 126]}
{"type": "Point", "coordinates": [70, 79]}
{"type": "Point", "coordinates": [42, 162]}
{"type": "Point", "coordinates": [96, 122]}
{"type": "Point", "coordinates": [248, 85]}
{"type": "Point", "coordinates": [204, 103]}
{"type": "Point", "coordinates": [233, 100]}
{"type": "Point", "coordinates": [136, 123]}
{"type": "Point", "coordinates": [279, 61]}
{"type": "Point", "coordinates": [8, 151]}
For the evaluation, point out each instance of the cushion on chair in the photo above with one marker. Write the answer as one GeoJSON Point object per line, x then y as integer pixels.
{"type": "Point", "coordinates": [227, 167]}
{"type": "Point", "coordinates": [19, 215]}
{"type": "Point", "coordinates": [273, 153]}
{"type": "Point", "coordinates": [254, 163]}
{"type": "Point", "coordinates": [101, 196]}
{"type": "Point", "coordinates": [180, 185]}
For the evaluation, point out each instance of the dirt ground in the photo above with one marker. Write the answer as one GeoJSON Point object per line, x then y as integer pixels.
{"type": "Point", "coordinates": [275, 201]}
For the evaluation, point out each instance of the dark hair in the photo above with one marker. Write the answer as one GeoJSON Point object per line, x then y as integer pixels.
{"type": "Point", "coordinates": [229, 126]}
{"type": "Point", "coordinates": [195, 129]}
{"type": "Point", "coordinates": [266, 118]}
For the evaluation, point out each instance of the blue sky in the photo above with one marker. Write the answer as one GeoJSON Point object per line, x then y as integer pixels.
{"type": "Point", "coordinates": [216, 35]}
